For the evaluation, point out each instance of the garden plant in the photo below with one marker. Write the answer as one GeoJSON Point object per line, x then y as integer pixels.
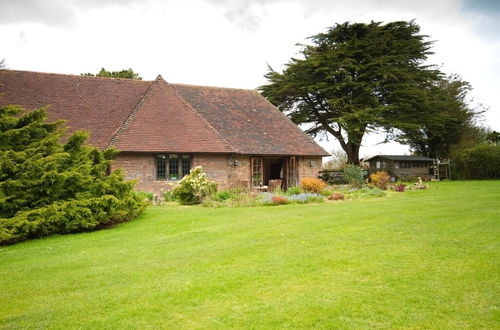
{"type": "Point", "coordinates": [47, 187]}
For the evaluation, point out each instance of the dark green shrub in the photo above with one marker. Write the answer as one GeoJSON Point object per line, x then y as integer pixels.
{"type": "Point", "coordinates": [47, 187]}
{"type": "Point", "coordinates": [354, 175]}
{"type": "Point", "coordinates": [481, 162]}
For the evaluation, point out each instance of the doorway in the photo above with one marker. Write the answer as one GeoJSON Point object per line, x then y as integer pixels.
{"type": "Point", "coordinates": [273, 169]}
{"type": "Point", "coordinates": [265, 169]}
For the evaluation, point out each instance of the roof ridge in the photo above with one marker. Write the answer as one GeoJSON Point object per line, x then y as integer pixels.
{"type": "Point", "coordinates": [213, 87]}
{"type": "Point", "coordinates": [78, 76]}
{"type": "Point", "coordinates": [132, 114]}
{"type": "Point", "coordinates": [200, 115]}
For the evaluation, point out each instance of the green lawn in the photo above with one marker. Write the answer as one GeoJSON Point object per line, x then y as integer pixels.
{"type": "Point", "coordinates": [420, 259]}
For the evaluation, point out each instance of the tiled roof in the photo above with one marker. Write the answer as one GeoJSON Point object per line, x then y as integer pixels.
{"type": "Point", "coordinates": [248, 121]}
{"type": "Point", "coordinates": [400, 157]}
{"type": "Point", "coordinates": [98, 105]}
{"type": "Point", "coordinates": [154, 116]}
{"type": "Point", "coordinates": [165, 122]}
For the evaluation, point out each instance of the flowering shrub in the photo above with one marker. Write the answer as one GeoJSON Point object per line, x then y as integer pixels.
{"type": "Point", "coordinates": [312, 185]}
{"type": "Point", "coordinates": [354, 175]}
{"type": "Point", "coordinates": [194, 187]}
{"type": "Point", "coordinates": [400, 187]}
{"type": "Point", "coordinates": [380, 179]}
{"type": "Point", "coordinates": [337, 197]}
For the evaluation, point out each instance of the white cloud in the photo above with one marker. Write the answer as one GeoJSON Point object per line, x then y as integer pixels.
{"type": "Point", "coordinates": [229, 43]}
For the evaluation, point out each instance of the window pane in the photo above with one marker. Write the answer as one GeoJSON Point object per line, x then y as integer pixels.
{"type": "Point", "coordinates": [173, 167]}
{"type": "Point", "coordinates": [160, 167]}
{"type": "Point", "coordinates": [186, 164]}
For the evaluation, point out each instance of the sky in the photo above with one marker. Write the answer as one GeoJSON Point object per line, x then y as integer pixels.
{"type": "Point", "coordinates": [230, 43]}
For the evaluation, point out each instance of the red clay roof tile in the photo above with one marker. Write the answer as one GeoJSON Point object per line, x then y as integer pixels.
{"type": "Point", "coordinates": [98, 105]}
{"type": "Point", "coordinates": [248, 121]}
{"type": "Point", "coordinates": [154, 116]}
{"type": "Point", "coordinates": [166, 123]}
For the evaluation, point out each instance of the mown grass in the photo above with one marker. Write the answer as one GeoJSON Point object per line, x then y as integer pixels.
{"type": "Point", "coordinates": [419, 259]}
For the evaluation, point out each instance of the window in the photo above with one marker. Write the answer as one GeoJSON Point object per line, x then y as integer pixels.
{"type": "Point", "coordinates": [172, 167]}
{"type": "Point", "coordinates": [407, 164]}
{"type": "Point", "coordinates": [160, 167]}
{"type": "Point", "coordinates": [186, 165]}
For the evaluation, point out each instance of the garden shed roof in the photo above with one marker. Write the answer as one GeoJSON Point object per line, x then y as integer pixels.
{"type": "Point", "coordinates": [400, 158]}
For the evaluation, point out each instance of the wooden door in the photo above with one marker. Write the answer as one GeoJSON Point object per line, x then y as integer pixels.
{"type": "Point", "coordinates": [291, 174]}
{"type": "Point", "coordinates": [256, 171]}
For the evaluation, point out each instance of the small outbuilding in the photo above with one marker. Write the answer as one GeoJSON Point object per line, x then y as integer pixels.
{"type": "Point", "coordinates": [402, 166]}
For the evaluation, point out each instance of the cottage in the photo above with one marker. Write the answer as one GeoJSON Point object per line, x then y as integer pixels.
{"type": "Point", "coordinates": [163, 130]}
{"type": "Point", "coordinates": [402, 166]}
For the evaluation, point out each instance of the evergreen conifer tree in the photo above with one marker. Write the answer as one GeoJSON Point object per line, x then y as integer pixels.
{"type": "Point", "coordinates": [49, 187]}
{"type": "Point", "coordinates": [353, 79]}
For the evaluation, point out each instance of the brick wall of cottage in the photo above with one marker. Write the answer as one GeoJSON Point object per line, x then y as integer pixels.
{"type": "Point", "coordinates": [239, 170]}
{"type": "Point", "coordinates": [142, 168]}
{"type": "Point", "coordinates": [227, 170]}
{"type": "Point", "coordinates": [214, 165]}
{"type": "Point", "coordinates": [309, 167]}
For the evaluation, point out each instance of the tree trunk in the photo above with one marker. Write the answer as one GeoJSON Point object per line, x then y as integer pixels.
{"type": "Point", "coordinates": [352, 150]}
